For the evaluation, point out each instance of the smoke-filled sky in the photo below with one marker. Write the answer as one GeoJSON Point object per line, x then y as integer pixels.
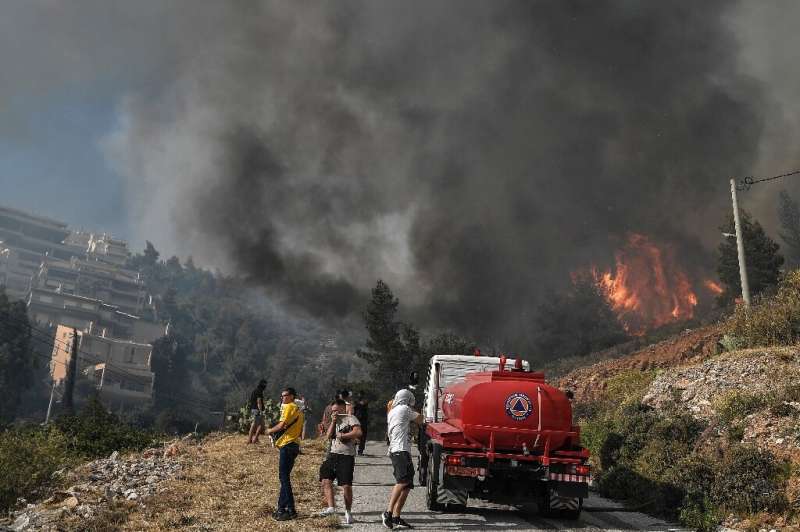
{"type": "Point", "coordinates": [471, 153]}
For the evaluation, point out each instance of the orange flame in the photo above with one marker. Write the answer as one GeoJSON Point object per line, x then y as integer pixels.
{"type": "Point", "coordinates": [647, 288]}
{"type": "Point", "coordinates": [713, 287]}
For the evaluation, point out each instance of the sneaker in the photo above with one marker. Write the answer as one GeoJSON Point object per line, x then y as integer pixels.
{"type": "Point", "coordinates": [399, 522]}
{"type": "Point", "coordinates": [286, 516]}
{"type": "Point", "coordinates": [386, 517]}
{"type": "Point", "coordinates": [292, 514]}
{"type": "Point", "coordinates": [330, 510]}
{"type": "Point", "coordinates": [348, 518]}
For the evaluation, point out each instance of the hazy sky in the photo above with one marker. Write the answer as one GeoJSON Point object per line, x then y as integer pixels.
{"type": "Point", "coordinates": [67, 67]}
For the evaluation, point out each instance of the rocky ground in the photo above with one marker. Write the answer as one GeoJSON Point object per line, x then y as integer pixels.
{"type": "Point", "coordinates": [103, 488]}
{"type": "Point", "coordinates": [686, 348]}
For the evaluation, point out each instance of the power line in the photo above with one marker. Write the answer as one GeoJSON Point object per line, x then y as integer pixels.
{"type": "Point", "coordinates": [749, 181]}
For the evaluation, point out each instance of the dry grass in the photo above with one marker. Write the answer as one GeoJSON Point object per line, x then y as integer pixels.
{"type": "Point", "coordinates": [229, 485]}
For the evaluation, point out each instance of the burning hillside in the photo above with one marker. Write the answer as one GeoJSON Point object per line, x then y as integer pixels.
{"type": "Point", "coordinates": [647, 286]}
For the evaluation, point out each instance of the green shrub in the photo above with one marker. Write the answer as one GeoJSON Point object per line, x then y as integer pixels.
{"type": "Point", "coordinates": [628, 387]}
{"type": "Point", "coordinates": [783, 410]}
{"type": "Point", "coordinates": [730, 343]}
{"type": "Point", "coordinates": [738, 405]}
{"type": "Point", "coordinates": [95, 432]}
{"type": "Point", "coordinates": [749, 480]}
{"type": "Point", "coordinates": [772, 321]}
{"type": "Point", "coordinates": [28, 458]}
{"type": "Point", "coordinates": [735, 432]}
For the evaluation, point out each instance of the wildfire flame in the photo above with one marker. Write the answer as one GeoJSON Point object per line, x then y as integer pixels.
{"type": "Point", "coordinates": [647, 288]}
{"type": "Point", "coordinates": [713, 287]}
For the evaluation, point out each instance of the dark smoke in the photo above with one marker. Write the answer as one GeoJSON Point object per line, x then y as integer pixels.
{"type": "Point", "coordinates": [470, 153]}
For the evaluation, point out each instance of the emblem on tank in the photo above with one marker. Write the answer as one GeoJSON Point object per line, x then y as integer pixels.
{"type": "Point", "coordinates": [519, 406]}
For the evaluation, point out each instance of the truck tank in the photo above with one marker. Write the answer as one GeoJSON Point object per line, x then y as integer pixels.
{"type": "Point", "coordinates": [509, 410]}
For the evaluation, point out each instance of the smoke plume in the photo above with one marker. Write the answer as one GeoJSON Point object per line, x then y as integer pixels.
{"type": "Point", "coordinates": [470, 153]}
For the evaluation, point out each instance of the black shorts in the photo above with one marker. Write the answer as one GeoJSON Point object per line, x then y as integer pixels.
{"type": "Point", "coordinates": [403, 468]}
{"type": "Point", "coordinates": [339, 467]}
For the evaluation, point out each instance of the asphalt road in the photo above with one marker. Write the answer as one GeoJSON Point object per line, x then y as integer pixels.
{"type": "Point", "coordinates": [373, 481]}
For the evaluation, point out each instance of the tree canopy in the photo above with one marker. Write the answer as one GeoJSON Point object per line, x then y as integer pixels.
{"type": "Point", "coordinates": [761, 257]}
{"type": "Point", "coordinates": [17, 361]}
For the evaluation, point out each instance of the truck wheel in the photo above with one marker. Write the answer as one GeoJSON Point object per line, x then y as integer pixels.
{"type": "Point", "coordinates": [575, 513]}
{"type": "Point", "coordinates": [432, 474]}
{"type": "Point", "coordinates": [552, 505]}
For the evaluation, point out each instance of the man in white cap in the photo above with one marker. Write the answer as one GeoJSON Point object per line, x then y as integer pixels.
{"type": "Point", "coordinates": [399, 421]}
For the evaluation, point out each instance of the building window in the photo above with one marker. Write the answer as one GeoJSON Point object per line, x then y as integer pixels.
{"type": "Point", "coordinates": [45, 299]}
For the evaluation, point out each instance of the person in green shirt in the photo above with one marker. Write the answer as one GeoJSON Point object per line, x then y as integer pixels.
{"type": "Point", "coordinates": [287, 437]}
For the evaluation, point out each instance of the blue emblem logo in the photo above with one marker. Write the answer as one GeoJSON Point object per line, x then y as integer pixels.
{"type": "Point", "coordinates": [519, 406]}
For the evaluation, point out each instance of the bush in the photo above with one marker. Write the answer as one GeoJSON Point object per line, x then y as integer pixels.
{"type": "Point", "coordinates": [628, 387]}
{"type": "Point", "coordinates": [738, 405]}
{"type": "Point", "coordinates": [28, 458]}
{"type": "Point", "coordinates": [783, 410]}
{"type": "Point", "coordinates": [95, 432]}
{"type": "Point", "coordinates": [749, 480]}
{"type": "Point", "coordinates": [772, 321]}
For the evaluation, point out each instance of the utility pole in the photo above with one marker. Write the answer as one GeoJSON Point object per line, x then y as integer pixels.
{"type": "Point", "coordinates": [50, 404]}
{"type": "Point", "coordinates": [740, 247]}
{"type": "Point", "coordinates": [69, 386]}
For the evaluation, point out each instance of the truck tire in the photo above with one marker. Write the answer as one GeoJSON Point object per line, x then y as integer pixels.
{"type": "Point", "coordinates": [432, 484]}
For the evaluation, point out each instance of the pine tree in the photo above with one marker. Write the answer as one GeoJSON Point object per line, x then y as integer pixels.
{"type": "Point", "coordinates": [392, 347]}
{"type": "Point", "coordinates": [576, 323]}
{"type": "Point", "coordinates": [789, 216]}
{"type": "Point", "coordinates": [761, 256]}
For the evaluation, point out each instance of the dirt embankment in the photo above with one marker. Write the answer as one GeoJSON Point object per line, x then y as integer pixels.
{"type": "Point", "coordinates": [219, 483]}
{"type": "Point", "coordinates": [687, 348]}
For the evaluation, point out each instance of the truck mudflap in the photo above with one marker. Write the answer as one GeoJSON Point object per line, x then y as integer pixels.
{"type": "Point", "coordinates": [564, 503]}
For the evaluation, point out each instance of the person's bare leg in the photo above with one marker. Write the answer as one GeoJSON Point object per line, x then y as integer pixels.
{"type": "Point", "coordinates": [400, 502]}
{"type": "Point", "coordinates": [347, 493]}
{"type": "Point", "coordinates": [397, 491]}
{"type": "Point", "coordinates": [252, 432]}
{"type": "Point", "coordinates": [327, 491]}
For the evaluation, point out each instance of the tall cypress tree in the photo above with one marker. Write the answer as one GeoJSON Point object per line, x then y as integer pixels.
{"type": "Point", "coordinates": [392, 347]}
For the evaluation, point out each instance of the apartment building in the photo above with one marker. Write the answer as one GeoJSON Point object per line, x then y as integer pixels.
{"type": "Point", "coordinates": [120, 370]}
{"type": "Point", "coordinates": [124, 289]}
{"type": "Point", "coordinates": [49, 308]}
{"type": "Point", "coordinates": [99, 247]}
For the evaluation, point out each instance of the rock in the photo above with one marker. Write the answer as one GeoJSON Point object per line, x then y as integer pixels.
{"type": "Point", "coordinates": [172, 450]}
{"type": "Point", "coordinates": [71, 502]}
{"type": "Point", "coordinates": [21, 522]}
{"type": "Point", "coordinates": [114, 456]}
{"type": "Point", "coordinates": [132, 496]}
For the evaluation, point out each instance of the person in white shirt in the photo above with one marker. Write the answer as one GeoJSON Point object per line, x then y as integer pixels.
{"type": "Point", "coordinates": [399, 421]}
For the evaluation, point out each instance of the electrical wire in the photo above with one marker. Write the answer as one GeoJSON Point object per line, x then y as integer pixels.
{"type": "Point", "coordinates": [749, 181]}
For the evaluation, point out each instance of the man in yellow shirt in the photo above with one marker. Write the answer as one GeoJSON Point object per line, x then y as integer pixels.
{"type": "Point", "coordinates": [287, 437]}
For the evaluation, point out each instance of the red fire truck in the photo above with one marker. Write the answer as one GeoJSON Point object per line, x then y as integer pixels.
{"type": "Point", "coordinates": [502, 435]}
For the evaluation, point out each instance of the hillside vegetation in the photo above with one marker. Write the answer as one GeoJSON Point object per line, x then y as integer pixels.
{"type": "Point", "coordinates": [713, 436]}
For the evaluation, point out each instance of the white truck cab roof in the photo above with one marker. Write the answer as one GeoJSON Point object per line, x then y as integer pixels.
{"type": "Point", "coordinates": [450, 368]}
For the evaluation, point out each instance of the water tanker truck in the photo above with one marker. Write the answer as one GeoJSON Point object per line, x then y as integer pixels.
{"type": "Point", "coordinates": [500, 434]}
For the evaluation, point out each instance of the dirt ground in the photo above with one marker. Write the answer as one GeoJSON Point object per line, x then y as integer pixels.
{"type": "Point", "coordinates": [689, 347]}
{"type": "Point", "coordinates": [230, 485]}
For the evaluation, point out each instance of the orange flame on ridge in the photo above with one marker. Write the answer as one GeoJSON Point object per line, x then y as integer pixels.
{"type": "Point", "coordinates": [647, 288]}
